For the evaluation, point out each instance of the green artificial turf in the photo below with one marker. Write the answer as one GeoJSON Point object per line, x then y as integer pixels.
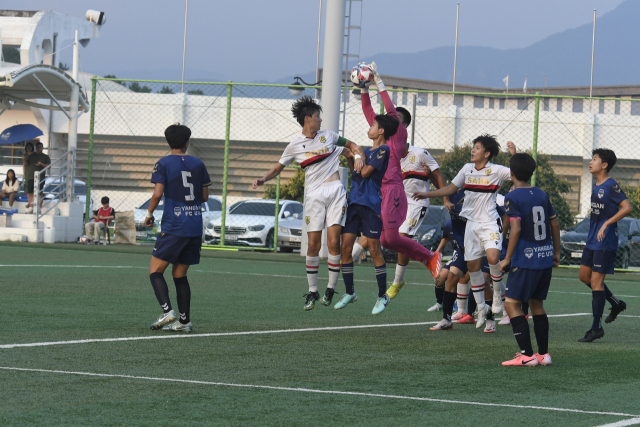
{"type": "Point", "coordinates": [104, 292]}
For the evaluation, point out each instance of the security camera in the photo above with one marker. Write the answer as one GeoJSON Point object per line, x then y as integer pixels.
{"type": "Point", "coordinates": [95, 17]}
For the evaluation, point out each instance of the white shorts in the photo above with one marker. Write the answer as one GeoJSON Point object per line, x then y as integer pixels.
{"type": "Point", "coordinates": [325, 206]}
{"type": "Point", "coordinates": [480, 236]}
{"type": "Point", "coordinates": [415, 216]}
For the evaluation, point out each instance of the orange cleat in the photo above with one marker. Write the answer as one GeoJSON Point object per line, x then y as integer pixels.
{"type": "Point", "coordinates": [522, 360]}
{"type": "Point", "coordinates": [435, 264]}
{"type": "Point", "coordinates": [543, 359]}
{"type": "Point", "coordinates": [467, 318]}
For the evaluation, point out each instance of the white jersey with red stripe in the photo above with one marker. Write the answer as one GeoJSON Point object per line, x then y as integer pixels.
{"type": "Point", "coordinates": [318, 156]}
{"type": "Point", "coordinates": [480, 188]}
{"type": "Point", "coordinates": [413, 176]}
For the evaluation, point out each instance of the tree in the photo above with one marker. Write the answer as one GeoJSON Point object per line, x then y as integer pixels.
{"type": "Point", "coordinates": [63, 66]}
{"type": "Point", "coordinates": [135, 87]}
{"type": "Point", "coordinates": [166, 90]}
{"type": "Point", "coordinates": [10, 54]}
{"type": "Point", "coordinates": [633, 194]}
{"type": "Point", "coordinates": [195, 92]}
{"type": "Point", "coordinates": [111, 76]}
{"type": "Point", "coordinates": [292, 190]}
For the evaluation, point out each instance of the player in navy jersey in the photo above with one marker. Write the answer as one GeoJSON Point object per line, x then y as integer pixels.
{"type": "Point", "coordinates": [184, 181]}
{"type": "Point", "coordinates": [363, 213]}
{"type": "Point", "coordinates": [534, 249]}
{"type": "Point", "coordinates": [609, 205]}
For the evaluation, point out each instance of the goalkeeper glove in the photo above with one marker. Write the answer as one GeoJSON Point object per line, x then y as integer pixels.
{"type": "Point", "coordinates": [376, 77]}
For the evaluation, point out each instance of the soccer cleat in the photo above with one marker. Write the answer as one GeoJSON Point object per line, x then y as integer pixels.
{"type": "Point", "coordinates": [310, 300]}
{"type": "Point", "coordinates": [346, 299]}
{"type": "Point", "coordinates": [482, 315]}
{"type": "Point", "coordinates": [496, 307]}
{"type": "Point", "coordinates": [505, 320]}
{"type": "Point", "coordinates": [522, 360]}
{"type": "Point", "coordinates": [592, 335]}
{"type": "Point", "coordinates": [443, 325]}
{"type": "Point", "coordinates": [381, 304]}
{"type": "Point", "coordinates": [435, 264]}
{"type": "Point", "coordinates": [328, 296]}
{"type": "Point", "coordinates": [457, 316]}
{"type": "Point", "coordinates": [615, 311]}
{"type": "Point", "coordinates": [394, 289]}
{"type": "Point", "coordinates": [543, 359]}
{"type": "Point", "coordinates": [178, 327]}
{"type": "Point", "coordinates": [490, 327]}
{"type": "Point", "coordinates": [436, 307]}
{"type": "Point", "coordinates": [467, 318]}
{"type": "Point", "coordinates": [163, 319]}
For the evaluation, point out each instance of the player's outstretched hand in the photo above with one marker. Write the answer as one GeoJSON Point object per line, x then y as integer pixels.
{"type": "Point", "coordinates": [602, 232]}
{"type": "Point", "coordinates": [448, 205]}
{"type": "Point", "coordinates": [504, 265]}
{"type": "Point", "coordinates": [511, 147]}
{"type": "Point", "coordinates": [148, 222]}
{"type": "Point", "coordinates": [358, 165]}
{"type": "Point", "coordinates": [257, 183]}
{"type": "Point", "coordinates": [376, 77]}
{"type": "Point", "coordinates": [419, 195]}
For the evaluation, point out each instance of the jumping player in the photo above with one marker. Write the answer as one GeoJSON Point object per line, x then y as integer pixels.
{"type": "Point", "coordinates": [363, 213]}
{"type": "Point", "coordinates": [184, 181]}
{"type": "Point", "coordinates": [534, 249]}
{"type": "Point", "coordinates": [481, 180]}
{"type": "Point", "coordinates": [394, 199]}
{"type": "Point", "coordinates": [598, 258]}
{"type": "Point", "coordinates": [325, 205]}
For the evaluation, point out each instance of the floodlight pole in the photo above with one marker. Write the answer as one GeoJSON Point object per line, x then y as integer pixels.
{"type": "Point", "coordinates": [455, 49]}
{"type": "Point", "coordinates": [593, 48]}
{"type": "Point", "coordinates": [184, 46]}
{"type": "Point", "coordinates": [318, 50]}
{"type": "Point", "coordinates": [72, 140]}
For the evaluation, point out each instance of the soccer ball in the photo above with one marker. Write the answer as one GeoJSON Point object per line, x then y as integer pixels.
{"type": "Point", "coordinates": [361, 76]}
{"type": "Point", "coordinates": [83, 239]}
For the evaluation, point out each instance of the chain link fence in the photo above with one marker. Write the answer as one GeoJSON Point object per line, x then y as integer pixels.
{"type": "Point", "coordinates": [240, 131]}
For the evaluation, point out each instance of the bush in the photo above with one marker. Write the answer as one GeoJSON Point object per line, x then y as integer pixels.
{"type": "Point", "coordinates": [633, 194]}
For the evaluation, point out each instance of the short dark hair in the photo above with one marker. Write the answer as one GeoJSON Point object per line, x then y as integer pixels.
{"type": "Point", "coordinates": [607, 156]}
{"type": "Point", "coordinates": [522, 166]}
{"type": "Point", "coordinates": [177, 135]}
{"type": "Point", "coordinates": [388, 124]}
{"type": "Point", "coordinates": [104, 200]}
{"type": "Point", "coordinates": [406, 115]}
{"type": "Point", "coordinates": [304, 107]}
{"type": "Point", "coordinates": [490, 144]}
{"type": "Point", "coordinates": [39, 144]}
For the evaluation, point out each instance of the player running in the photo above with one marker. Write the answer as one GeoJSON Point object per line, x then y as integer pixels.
{"type": "Point", "coordinates": [325, 204]}
{"type": "Point", "coordinates": [480, 180]}
{"type": "Point", "coordinates": [184, 181]}
{"type": "Point", "coordinates": [534, 249]}
{"type": "Point", "coordinates": [394, 199]}
{"type": "Point", "coordinates": [598, 258]}
{"type": "Point", "coordinates": [363, 213]}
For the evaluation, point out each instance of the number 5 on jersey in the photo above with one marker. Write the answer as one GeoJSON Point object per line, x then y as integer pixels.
{"type": "Point", "coordinates": [188, 185]}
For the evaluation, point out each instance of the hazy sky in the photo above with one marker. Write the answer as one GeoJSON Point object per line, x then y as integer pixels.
{"type": "Point", "coordinates": [248, 40]}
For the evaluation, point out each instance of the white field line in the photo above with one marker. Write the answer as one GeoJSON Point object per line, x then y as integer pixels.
{"type": "Point", "coordinates": [310, 390]}
{"type": "Point", "coordinates": [631, 422]}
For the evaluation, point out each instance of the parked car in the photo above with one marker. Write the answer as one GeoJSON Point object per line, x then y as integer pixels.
{"type": "Point", "coordinates": [290, 233]}
{"type": "Point", "coordinates": [252, 222]}
{"type": "Point", "coordinates": [428, 234]}
{"type": "Point", "coordinates": [212, 209]}
{"type": "Point", "coordinates": [574, 241]}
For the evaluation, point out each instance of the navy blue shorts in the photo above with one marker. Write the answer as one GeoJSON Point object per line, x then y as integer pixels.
{"type": "Point", "coordinates": [457, 260]}
{"type": "Point", "coordinates": [524, 284]}
{"type": "Point", "coordinates": [178, 249]}
{"type": "Point", "coordinates": [599, 261]}
{"type": "Point", "coordinates": [363, 220]}
{"type": "Point", "coordinates": [485, 265]}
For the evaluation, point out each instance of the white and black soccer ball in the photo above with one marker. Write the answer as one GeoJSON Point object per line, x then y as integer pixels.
{"type": "Point", "coordinates": [361, 76]}
{"type": "Point", "coordinates": [83, 239]}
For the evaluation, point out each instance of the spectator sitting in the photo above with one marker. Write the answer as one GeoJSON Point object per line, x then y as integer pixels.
{"type": "Point", "coordinates": [10, 188]}
{"type": "Point", "coordinates": [104, 216]}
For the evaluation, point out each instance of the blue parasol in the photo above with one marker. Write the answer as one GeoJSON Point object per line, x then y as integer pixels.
{"type": "Point", "coordinates": [19, 133]}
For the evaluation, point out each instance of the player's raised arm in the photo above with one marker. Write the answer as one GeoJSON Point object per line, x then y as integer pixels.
{"type": "Point", "coordinates": [367, 109]}
{"type": "Point", "coordinates": [445, 191]}
{"type": "Point", "coordinates": [386, 100]}
{"type": "Point", "coordinates": [273, 172]}
{"type": "Point", "coordinates": [511, 147]}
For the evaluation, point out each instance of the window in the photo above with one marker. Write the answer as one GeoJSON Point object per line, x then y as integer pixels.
{"type": "Point", "coordinates": [601, 107]}
{"type": "Point", "coordinates": [458, 100]}
{"type": "Point", "coordinates": [478, 102]}
{"type": "Point", "coordinates": [577, 105]}
{"type": "Point", "coordinates": [502, 103]}
{"type": "Point", "coordinates": [214, 205]}
{"type": "Point", "coordinates": [617, 108]}
{"type": "Point", "coordinates": [405, 96]}
{"type": "Point", "coordinates": [491, 103]}
{"type": "Point", "coordinates": [635, 107]}
{"type": "Point", "coordinates": [559, 105]}
{"type": "Point", "coordinates": [523, 104]}
{"type": "Point", "coordinates": [248, 208]}
{"type": "Point", "coordinates": [394, 97]}
{"type": "Point", "coordinates": [160, 207]}
{"type": "Point", "coordinates": [545, 104]}
{"type": "Point", "coordinates": [435, 99]}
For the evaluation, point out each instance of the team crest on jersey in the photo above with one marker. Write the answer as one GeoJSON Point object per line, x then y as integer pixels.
{"type": "Point", "coordinates": [601, 193]}
{"type": "Point", "coordinates": [176, 211]}
{"type": "Point", "coordinates": [528, 253]}
{"type": "Point", "coordinates": [412, 159]}
{"type": "Point", "coordinates": [307, 219]}
{"type": "Point", "coordinates": [488, 171]}
{"type": "Point", "coordinates": [323, 139]}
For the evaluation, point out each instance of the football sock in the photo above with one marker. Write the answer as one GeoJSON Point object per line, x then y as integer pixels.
{"type": "Point", "coordinates": [439, 294]}
{"type": "Point", "coordinates": [381, 277]}
{"type": "Point", "coordinates": [162, 291]}
{"type": "Point", "coordinates": [400, 269]}
{"type": "Point", "coordinates": [357, 252]}
{"type": "Point", "coordinates": [490, 313]}
{"type": "Point", "coordinates": [496, 279]}
{"type": "Point", "coordinates": [520, 328]}
{"type": "Point", "coordinates": [610, 296]}
{"type": "Point", "coordinates": [447, 304]}
{"type": "Point", "coordinates": [471, 305]}
{"type": "Point", "coordinates": [525, 308]}
{"type": "Point", "coordinates": [503, 291]}
{"type": "Point", "coordinates": [313, 262]}
{"type": "Point", "coordinates": [334, 270]}
{"type": "Point", "coordinates": [184, 298]}
{"type": "Point", "coordinates": [477, 287]}
{"type": "Point", "coordinates": [347, 276]}
{"type": "Point", "coordinates": [541, 329]}
{"type": "Point", "coordinates": [597, 305]}
{"type": "Point", "coordinates": [463, 295]}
